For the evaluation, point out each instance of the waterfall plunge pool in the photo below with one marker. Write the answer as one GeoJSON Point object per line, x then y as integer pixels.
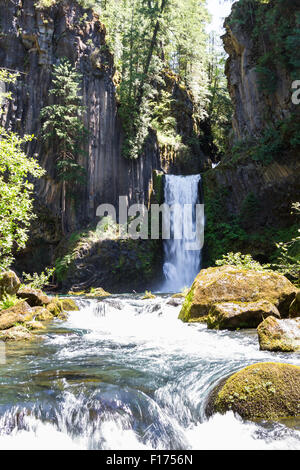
{"type": "Point", "coordinates": [125, 373]}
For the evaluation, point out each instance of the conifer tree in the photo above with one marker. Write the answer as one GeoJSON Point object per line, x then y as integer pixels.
{"type": "Point", "coordinates": [64, 129]}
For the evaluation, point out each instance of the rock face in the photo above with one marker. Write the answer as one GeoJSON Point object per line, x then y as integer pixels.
{"type": "Point", "coordinates": [34, 297]}
{"type": "Point", "coordinates": [17, 333]}
{"type": "Point", "coordinates": [295, 307]}
{"type": "Point", "coordinates": [231, 284]}
{"type": "Point", "coordinates": [251, 101]}
{"type": "Point", "coordinates": [9, 283]}
{"type": "Point", "coordinates": [260, 391]}
{"type": "Point", "coordinates": [69, 305]}
{"type": "Point", "coordinates": [31, 41]}
{"type": "Point", "coordinates": [279, 335]}
{"type": "Point", "coordinates": [17, 314]}
{"type": "Point", "coordinates": [233, 315]}
{"type": "Point", "coordinates": [256, 195]}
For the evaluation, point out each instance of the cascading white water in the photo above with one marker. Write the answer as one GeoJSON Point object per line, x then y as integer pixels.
{"type": "Point", "coordinates": [130, 375]}
{"type": "Point", "coordinates": [181, 264]}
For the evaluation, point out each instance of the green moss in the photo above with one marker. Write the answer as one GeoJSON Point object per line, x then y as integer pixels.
{"type": "Point", "coordinates": [55, 307]}
{"type": "Point", "coordinates": [184, 314]}
{"type": "Point", "coordinates": [148, 295]}
{"type": "Point", "coordinates": [97, 292]}
{"type": "Point", "coordinates": [68, 304]}
{"type": "Point", "coordinates": [261, 391]}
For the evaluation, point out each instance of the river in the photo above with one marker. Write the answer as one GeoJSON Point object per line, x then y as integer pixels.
{"type": "Point", "coordinates": [125, 373]}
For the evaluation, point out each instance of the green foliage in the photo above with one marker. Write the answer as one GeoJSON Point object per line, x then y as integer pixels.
{"type": "Point", "coordinates": [63, 121]}
{"type": "Point", "coordinates": [277, 139]}
{"type": "Point", "coordinates": [43, 4]}
{"type": "Point", "coordinates": [274, 26]}
{"type": "Point", "coordinates": [16, 207]}
{"type": "Point", "coordinates": [222, 231]}
{"type": "Point", "coordinates": [38, 281]}
{"type": "Point", "coordinates": [8, 301]}
{"type": "Point", "coordinates": [146, 38]}
{"type": "Point", "coordinates": [62, 266]}
{"type": "Point", "coordinates": [162, 120]}
{"type": "Point", "coordinates": [241, 261]}
{"type": "Point", "coordinates": [287, 257]}
{"type": "Point", "coordinates": [219, 107]}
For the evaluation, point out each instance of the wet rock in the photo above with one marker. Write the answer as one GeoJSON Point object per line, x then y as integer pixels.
{"type": "Point", "coordinates": [69, 304]}
{"type": "Point", "coordinates": [35, 325]}
{"type": "Point", "coordinates": [34, 297]}
{"type": "Point", "coordinates": [41, 314]}
{"type": "Point", "coordinates": [175, 301]}
{"type": "Point", "coordinates": [55, 307]}
{"type": "Point", "coordinates": [99, 292]}
{"type": "Point", "coordinates": [9, 283]}
{"type": "Point", "coordinates": [19, 313]}
{"type": "Point", "coordinates": [17, 333]}
{"type": "Point", "coordinates": [233, 315]}
{"type": "Point", "coordinates": [179, 295]}
{"type": "Point", "coordinates": [260, 391]}
{"type": "Point", "coordinates": [295, 307]}
{"type": "Point", "coordinates": [232, 284]}
{"type": "Point", "coordinates": [279, 335]}
{"type": "Point", "coordinates": [148, 296]}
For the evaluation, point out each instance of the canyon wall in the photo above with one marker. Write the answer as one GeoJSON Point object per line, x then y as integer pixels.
{"type": "Point", "coordinates": [250, 194]}
{"type": "Point", "coordinates": [32, 40]}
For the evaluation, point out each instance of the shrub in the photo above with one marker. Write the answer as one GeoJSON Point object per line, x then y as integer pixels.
{"type": "Point", "coordinates": [241, 261]}
{"type": "Point", "coordinates": [39, 281]}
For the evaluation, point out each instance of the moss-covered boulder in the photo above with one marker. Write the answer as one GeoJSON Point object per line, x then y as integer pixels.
{"type": "Point", "coordinates": [55, 307]}
{"type": "Point", "coordinates": [148, 296]}
{"type": "Point", "coordinates": [35, 325]}
{"type": "Point", "coordinates": [279, 335]}
{"type": "Point", "coordinates": [69, 304]}
{"type": "Point", "coordinates": [41, 314]}
{"type": "Point", "coordinates": [233, 284]}
{"type": "Point", "coordinates": [261, 391]}
{"type": "Point", "coordinates": [179, 295]}
{"type": "Point", "coordinates": [17, 333]}
{"type": "Point", "coordinates": [233, 315]}
{"type": "Point", "coordinates": [19, 313]}
{"type": "Point", "coordinates": [34, 297]}
{"type": "Point", "coordinates": [9, 283]}
{"type": "Point", "coordinates": [295, 307]}
{"type": "Point", "coordinates": [98, 292]}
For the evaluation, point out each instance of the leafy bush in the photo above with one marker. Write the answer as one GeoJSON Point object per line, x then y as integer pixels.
{"type": "Point", "coordinates": [39, 281]}
{"type": "Point", "coordinates": [241, 261]}
{"type": "Point", "coordinates": [17, 171]}
{"type": "Point", "coordinates": [8, 301]}
{"type": "Point", "coordinates": [288, 255]}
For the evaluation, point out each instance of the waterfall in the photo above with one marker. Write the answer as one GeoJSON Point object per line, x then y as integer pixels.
{"type": "Point", "coordinates": [181, 265]}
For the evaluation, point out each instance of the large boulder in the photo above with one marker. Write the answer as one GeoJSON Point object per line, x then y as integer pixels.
{"type": "Point", "coordinates": [19, 313]}
{"type": "Point", "coordinates": [9, 283]}
{"type": "Point", "coordinates": [55, 307]}
{"type": "Point", "coordinates": [260, 391]}
{"type": "Point", "coordinates": [41, 314]}
{"type": "Point", "coordinates": [233, 315]}
{"type": "Point", "coordinates": [233, 284]}
{"type": "Point", "coordinates": [279, 335]}
{"type": "Point", "coordinates": [69, 304]}
{"type": "Point", "coordinates": [34, 297]}
{"type": "Point", "coordinates": [295, 307]}
{"type": "Point", "coordinates": [17, 333]}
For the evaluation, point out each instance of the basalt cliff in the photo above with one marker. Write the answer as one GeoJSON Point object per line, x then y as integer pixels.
{"type": "Point", "coordinates": [32, 40]}
{"type": "Point", "coordinates": [250, 193]}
